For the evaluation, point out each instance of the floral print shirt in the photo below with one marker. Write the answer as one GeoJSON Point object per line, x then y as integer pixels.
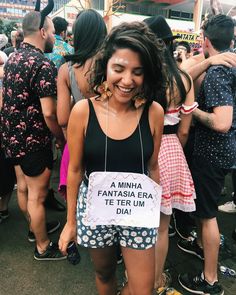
{"type": "Point", "coordinates": [28, 77]}
{"type": "Point", "coordinates": [60, 49]}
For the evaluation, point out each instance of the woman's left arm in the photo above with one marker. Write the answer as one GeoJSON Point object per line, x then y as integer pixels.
{"type": "Point", "coordinates": [156, 120]}
{"type": "Point", "coordinates": [186, 116]}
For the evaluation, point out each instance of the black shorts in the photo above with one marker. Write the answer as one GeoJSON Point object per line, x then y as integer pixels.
{"type": "Point", "coordinates": [209, 181]}
{"type": "Point", "coordinates": [7, 175]}
{"type": "Point", "coordinates": [34, 164]}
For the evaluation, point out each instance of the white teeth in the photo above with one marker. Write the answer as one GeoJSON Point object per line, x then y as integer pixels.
{"type": "Point", "coordinates": [125, 89]}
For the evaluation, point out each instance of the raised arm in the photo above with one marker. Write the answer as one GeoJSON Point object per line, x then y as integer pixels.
{"type": "Point", "coordinates": [198, 64]}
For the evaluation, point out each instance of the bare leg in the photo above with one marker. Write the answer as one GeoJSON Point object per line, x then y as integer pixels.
{"type": "Point", "coordinates": [140, 266]}
{"type": "Point", "coordinates": [22, 191]}
{"type": "Point", "coordinates": [161, 249]}
{"type": "Point", "coordinates": [37, 192]}
{"type": "Point", "coordinates": [105, 268]}
{"type": "Point", "coordinates": [211, 244]}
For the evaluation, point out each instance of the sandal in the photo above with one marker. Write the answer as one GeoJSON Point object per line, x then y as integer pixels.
{"type": "Point", "coordinates": [166, 278]}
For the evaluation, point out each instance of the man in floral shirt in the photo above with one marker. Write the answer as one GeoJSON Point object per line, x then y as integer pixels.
{"type": "Point", "coordinates": [28, 118]}
{"type": "Point", "coordinates": [61, 48]}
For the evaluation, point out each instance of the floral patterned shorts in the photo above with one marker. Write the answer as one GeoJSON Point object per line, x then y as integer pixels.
{"type": "Point", "coordinates": [107, 235]}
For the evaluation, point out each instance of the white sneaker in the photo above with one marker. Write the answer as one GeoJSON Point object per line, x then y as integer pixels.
{"type": "Point", "coordinates": [228, 207]}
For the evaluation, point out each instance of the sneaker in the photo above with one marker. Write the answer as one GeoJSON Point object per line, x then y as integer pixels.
{"type": "Point", "coordinates": [198, 285]}
{"type": "Point", "coordinates": [191, 246]}
{"type": "Point", "coordinates": [51, 228]}
{"type": "Point", "coordinates": [52, 252]}
{"type": "Point", "coordinates": [167, 281]}
{"type": "Point", "coordinates": [4, 214]}
{"type": "Point", "coordinates": [228, 207]}
{"type": "Point", "coordinates": [172, 231]}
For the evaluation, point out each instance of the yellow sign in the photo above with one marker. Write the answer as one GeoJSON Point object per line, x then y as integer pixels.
{"type": "Point", "coordinates": [192, 38]}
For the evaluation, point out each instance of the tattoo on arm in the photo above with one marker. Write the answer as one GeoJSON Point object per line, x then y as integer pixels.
{"type": "Point", "coordinates": [207, 121]}
{"type": "Point", "coordinates": [205, 118]}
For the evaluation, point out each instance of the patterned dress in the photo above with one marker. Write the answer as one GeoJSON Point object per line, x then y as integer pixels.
{"type": "Point", "coordinates": [175, 177]}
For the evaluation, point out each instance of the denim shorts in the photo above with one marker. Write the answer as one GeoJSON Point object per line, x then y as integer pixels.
{"type": "Point", "coordinates": [101, 236]}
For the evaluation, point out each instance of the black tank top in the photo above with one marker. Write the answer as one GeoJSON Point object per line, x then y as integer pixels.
{"type": "Point", "coordinates": [122, 155]}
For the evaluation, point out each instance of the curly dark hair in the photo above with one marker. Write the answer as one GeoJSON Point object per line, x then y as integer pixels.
{"type": "Point", "coordinates": [219, 29]}
{"type": "Point", "coordinates": [139, 38]}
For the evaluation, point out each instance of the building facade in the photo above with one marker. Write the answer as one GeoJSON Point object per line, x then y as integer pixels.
{"type": "Point", "coordinates": [16, 9]}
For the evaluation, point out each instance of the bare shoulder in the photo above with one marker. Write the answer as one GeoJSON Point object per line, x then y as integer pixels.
{"type": "Point", "coordinates": [156, 118]}
{"type": "Point", "coordinates": [63, 70]}
{"type": "Point", "coordinates": [80, 110]}
{"type": "Point", "coordinates": [156, 112]}
{"type": "Point", "coordinates": [156, 108]}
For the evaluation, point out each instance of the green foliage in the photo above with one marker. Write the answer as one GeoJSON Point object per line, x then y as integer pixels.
{"type": "Point", "coordinates": [7, 26]}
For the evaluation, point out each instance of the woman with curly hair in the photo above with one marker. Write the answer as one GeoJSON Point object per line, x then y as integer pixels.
{"type": "Point", "coordinates": [122, 127]}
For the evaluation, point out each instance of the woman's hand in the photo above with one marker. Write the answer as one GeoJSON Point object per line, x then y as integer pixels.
{"type": "Point", "coordinates": [68, 234]}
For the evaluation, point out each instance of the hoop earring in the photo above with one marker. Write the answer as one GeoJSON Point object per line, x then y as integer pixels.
{"type": "Point", "coordinates": [103, 90]}
{"type": "Point", "coordinates": [139, 100]}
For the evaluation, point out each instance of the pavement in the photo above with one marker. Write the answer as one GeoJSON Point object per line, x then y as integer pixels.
{"type": "Point", "coordinates": [21, 274]}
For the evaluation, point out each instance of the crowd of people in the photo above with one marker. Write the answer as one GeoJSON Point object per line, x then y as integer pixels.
{"type": "Point", "coordinates": [130, 101]}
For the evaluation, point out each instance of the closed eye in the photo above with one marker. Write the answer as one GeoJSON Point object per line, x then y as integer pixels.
{"type": "Point", "coordinates": [138, 72]}
{"type": "Point", "coordinates": [118, 68]}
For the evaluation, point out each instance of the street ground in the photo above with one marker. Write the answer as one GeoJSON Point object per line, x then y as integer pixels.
{"type": "Point", "coordinates": [22, 275]}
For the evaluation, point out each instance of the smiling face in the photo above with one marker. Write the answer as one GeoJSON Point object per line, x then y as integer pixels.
{"type": "Point", "coordinates": [124, 75]}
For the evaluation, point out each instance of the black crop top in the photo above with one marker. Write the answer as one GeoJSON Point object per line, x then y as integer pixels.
{"type": "Point", "coordinates": [122, 155]}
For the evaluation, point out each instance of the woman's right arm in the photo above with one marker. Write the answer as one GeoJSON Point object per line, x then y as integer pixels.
{"type": "Point", "coordinates": [76, 136]}
{"type": "Point", "coordinates": [63, 98]}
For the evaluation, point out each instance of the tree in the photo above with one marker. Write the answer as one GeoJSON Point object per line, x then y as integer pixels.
{"type": "Point", "coordinates": [1, 26]}
{"type": "Point", "coordinates": [7, 26]}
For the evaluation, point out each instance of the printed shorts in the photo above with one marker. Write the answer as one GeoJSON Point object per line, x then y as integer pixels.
{"type": "Point", "coordinates": [108, 235]}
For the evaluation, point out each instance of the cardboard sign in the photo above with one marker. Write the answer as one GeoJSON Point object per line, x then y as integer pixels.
{"type": "Point", "coordinates": [119, 198]}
